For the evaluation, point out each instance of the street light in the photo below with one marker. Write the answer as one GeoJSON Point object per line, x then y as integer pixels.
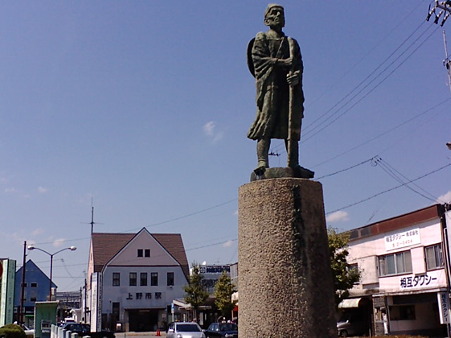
{"type": "Point", "coordinates": [449, 145]}
{"type": "Point", "coordinates": [71, 248]}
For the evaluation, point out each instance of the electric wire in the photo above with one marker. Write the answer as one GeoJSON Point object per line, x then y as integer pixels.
{"type": "Point", "coordinates": [388, 190]}
{"type": "Point", "coordinates": [325, 125]}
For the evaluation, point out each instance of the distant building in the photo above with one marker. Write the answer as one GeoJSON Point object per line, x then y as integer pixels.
{"type": "Point", "coordinates": [36, 289]}
{"type": "Point", "coordinates": [211, 274]}
{"type": "Point", "coordinates": [404, 262]}
{"type": "Point", "coordinates": [7, 275]}
{"type": "Point", "coordinates": [133, 279]}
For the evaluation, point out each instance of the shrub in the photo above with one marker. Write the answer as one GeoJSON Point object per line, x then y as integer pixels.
{"type": "Point", "coordinates": [12, 331]}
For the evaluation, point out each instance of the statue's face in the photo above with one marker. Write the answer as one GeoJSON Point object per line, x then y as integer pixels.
{"type": "Point", "coordinates": [275, 17]}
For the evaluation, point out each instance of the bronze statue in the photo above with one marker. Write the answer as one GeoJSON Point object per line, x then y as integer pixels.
{"type": "Point", "coordinates": [276, 63]}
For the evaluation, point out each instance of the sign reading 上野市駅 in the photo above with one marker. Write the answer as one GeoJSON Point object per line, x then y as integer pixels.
{"type": "Point", "coordinates": [402, 239]}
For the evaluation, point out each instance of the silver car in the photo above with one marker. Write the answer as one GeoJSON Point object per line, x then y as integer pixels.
{"type": "Point", "coordinates": [184, 330]}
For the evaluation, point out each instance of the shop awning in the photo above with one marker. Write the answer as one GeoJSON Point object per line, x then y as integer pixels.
{"type": "Point", "coordinates": [349, 303]}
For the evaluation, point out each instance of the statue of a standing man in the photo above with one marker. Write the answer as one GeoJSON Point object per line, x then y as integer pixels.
{"type": "Point", "coordinates": [275, 61]}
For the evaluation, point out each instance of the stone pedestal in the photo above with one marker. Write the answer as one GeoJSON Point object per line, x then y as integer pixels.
{"type": "Point", "coordinates": [285, 282]}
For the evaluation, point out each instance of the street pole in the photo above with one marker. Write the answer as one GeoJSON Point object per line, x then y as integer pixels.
{"type": "Point", "coordinates": [22, 285]}
{"type": "Point", "coordinates": [71, 248]}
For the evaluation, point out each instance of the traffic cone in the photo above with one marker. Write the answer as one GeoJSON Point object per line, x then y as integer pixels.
{"type": "Point", "coordinates": [158, 333]}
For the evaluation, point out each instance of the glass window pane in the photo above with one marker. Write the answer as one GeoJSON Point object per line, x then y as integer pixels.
{"type": "Point", "coordinates": [407, 262]}
{"type": "Point", "coordinates": [390, 264]}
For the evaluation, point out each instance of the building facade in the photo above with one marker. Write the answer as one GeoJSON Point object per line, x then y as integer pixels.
{"type": "Point", "coordinates": [404, 287]}
{"type": "Point", "coordinates": [133, 279]}
{"type": "Point", "coordinates": [7, 276]}
{"type": "Point", "coordinates": [35, 289]}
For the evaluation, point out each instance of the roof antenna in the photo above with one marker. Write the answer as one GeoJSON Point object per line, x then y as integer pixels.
{"type": "Point", "coordinates": [92, 216]}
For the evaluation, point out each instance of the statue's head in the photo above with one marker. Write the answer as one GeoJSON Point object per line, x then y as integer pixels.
{"type": "Point", "coordinates": [275, 16]}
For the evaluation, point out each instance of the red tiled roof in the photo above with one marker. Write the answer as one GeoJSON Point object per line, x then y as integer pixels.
{"type": "Point", "coordinates": [106, 245]}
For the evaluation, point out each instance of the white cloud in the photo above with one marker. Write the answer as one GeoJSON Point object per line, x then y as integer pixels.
{"type": "Point", "coordinates": [338, 216]}
{"type": "Point", "coordinates": [59, 242]}
{"type": "Point", "coordinates": [42, 190]}
{"type": "Point", "coordinates": [37, 231]}
{"type": "Point", "coordinates": [210, 131]}
{"type": "Point", "coordinates": [446, 198]}
{"type": "Point", "coordinates": [227, 244]}
{"type": "Point", "coordinates": [209, 128]}
{"type": "Point", "coordinates": [10, 190]}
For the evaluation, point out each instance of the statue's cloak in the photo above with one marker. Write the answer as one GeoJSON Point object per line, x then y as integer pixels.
{"type": "Point", "coordinates": [273, 93]}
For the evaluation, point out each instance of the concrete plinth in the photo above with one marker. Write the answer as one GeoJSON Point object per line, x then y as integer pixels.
{"type": "Point", "coordinates": [285, 282]}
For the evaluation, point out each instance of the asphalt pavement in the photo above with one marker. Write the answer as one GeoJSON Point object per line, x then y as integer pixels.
{"type": "Point", "coordinates": [140, 334]}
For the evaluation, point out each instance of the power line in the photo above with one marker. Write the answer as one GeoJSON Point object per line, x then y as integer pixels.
{"type": "Point", "coordinates": [388, 190]}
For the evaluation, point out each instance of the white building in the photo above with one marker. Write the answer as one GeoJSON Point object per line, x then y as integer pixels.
{"type": "Point", "coordinates": [133, 278]}
{"type": "Point", "coordinates": [405, 276]}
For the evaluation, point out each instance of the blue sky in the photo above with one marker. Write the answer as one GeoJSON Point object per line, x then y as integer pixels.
{"type": "Point", "coordinates": [143, 107]}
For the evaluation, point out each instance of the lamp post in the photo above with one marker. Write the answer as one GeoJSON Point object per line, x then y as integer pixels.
{"type": "Point", "coordinates": [71, 248]}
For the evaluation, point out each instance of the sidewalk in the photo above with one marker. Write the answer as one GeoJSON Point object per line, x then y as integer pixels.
{"type": "Point", "coordinates": [139, 334]}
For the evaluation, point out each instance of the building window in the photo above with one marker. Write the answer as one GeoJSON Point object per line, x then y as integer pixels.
{"type": "Point", "coordinates": [115, 311]}
{"type": "Point", "coordinates": [154, 279]}
{"type": "Point", "coordinates": [147, 253]}
{"type": "Point", "coordinates": [395, 264]}
{"type": "Point", "coordinates": [354, 268]}
{"type": "Point", "coordinates": [133, 277]}
{"type": "Point", "coordinates": [433, 256]}
{"type": "Point", "coordinates": [34, 285]}
{"type": "Point", "coordinates": [143, 278]}
{"type": "Point", "coordinates": [404, 312]}
{"type": "Point", "coordinates": [116, 279]}
{"type": "Point", "coordinates": [170, 279]}
{"type": "Point", "coordinates": [140, 252]}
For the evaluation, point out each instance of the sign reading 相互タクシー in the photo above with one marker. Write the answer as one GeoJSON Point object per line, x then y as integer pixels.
{"type": "Point", "coordinates": [402, 239]}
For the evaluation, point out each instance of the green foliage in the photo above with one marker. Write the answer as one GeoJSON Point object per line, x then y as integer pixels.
{"type": "Point", "coordinates": [224, 289]}
{"type": "Point", "coordinates": [196, 293]}
{"type": "Point", "coordinates": [344, 275]}
{"type": "Point", "coordinates": [12, 331]}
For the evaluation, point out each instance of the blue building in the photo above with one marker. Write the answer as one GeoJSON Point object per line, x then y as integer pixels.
{"type": "Point", "coordinates": [36, 289]}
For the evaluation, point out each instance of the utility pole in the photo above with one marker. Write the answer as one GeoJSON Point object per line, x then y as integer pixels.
{"type": "Point", "coordinates": [444, 11]}
{"type": "Point", "coordinates": [22, 285]}
{"type": "Point", "coordinates": [447, 61]}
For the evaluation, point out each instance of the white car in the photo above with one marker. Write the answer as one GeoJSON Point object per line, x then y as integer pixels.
{"type": "Point", "coordinates": [184, 330]}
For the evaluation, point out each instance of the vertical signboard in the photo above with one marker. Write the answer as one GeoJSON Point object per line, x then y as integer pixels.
{"type": "Point", "coordinates": [7, 280]}
{"type": "Point", "coordinates": [443, 307]}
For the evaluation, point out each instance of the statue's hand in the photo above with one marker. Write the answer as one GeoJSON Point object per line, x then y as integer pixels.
{"type": "Point", "coordinates": [293, 78]}
{"type": "Point", "coordinates": [285, 62]}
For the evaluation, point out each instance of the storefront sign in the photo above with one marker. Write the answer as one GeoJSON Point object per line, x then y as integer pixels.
{"type": "Point", "coordinates": [402, 239]}
{"type": "Point", "coordinates": [443, 307]}
{"type": "Point", "coordinates": [416, 281]}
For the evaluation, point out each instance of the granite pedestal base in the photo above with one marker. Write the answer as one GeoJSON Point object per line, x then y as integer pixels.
{"type": "Point", "coordinates": [285, 281]}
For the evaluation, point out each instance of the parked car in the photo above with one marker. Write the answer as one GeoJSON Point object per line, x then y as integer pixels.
{"type": "Point", "coordinates": [184, 330]}
{"type": "Point", "coordinates": [227, 330]}
{"type": "Point", "coordinates": [350, 326]}
{"type": "Point", "coordinates": [85, 330]}
{"type": "Point", "coordinates": [81, 329]}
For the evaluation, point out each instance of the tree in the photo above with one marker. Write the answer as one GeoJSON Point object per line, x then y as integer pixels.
{"type": "Point", "coordinates": [224, 289]}
{"type": "Point", "coordinates": [196, 294]}
{"type": "Point", "coordinates": [344, 275]}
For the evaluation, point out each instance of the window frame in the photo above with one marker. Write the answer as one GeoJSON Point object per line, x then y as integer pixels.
{"type": "Point", "coordinates": [396, 263]}
{"type": "Point", "coordinates": [116, 279]}
{"type": "Point", "coordinates": [143, 279]}
{"type": "Point", "coordinates": [438, 258]}
{"type": "Point", "coordinates": [133, 279]}
{"type": "Point", "coordinates": [154, 279]}
{"type": "Point", "coordinates": [170, 277]}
